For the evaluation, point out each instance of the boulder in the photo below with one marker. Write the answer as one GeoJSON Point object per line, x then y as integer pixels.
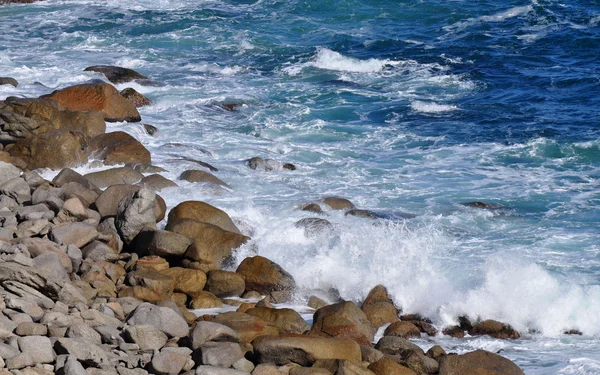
{"type": "Point", "coordinates": [170, 361]}
{"type": "Point", "coordinates": [204, 212]}
{"type": "Point", "coordinates": [395, 345]}
{"type": "Point", "coordinates": [204, 300]}
{"type": "Point", "coordinates": [158, 282]}
{"type": "Point", "coordinates": [402, 329]}
{"type": "Point", "coordinates": [38, 347]}
{"type": "Point", "coordinates": [107, 203]}
{"type": "Point", "coordinates": [30, 329]}
{"type": "Point", "coordinates": [436, 352]}
{"type": "Point", "coordinates": [386, 366]}
{"type": "Point", "coordinates": [54, 150]}
{"type": "Point", "coordinates": [156, 182]}
{"type": "Point", "coordinates": [312, 207]}
{"type": "Point", "coordinates": [8, 172]}
{"type": "Point", "coordinates": [17, 189]}
{"type": "Point", "coordinates": [225, 283]}
{"type": "Point", "coordinates": [338, 203]}
{"type": "Point", "coordinates": [135, 214]}
{"type": "Point", "coordinates": [73, 367]}
{"type": "Point", "coordinates": [162, 243]}
{"type": "Point", "coordinates": [114, 176]}
{"type": "Point", "coordinates": [220, 354]}
{"type": "Point", "coordinates": [152, 262]}
{"type": "Point", "coordinates": [286, 320]}
{"type": "Point", "coordinates": [249, 327]}
{"type": "Point", "coordinates": [212, 370]}
{"type": "Point", "coordinates": [380, 313]}
{"type": "Point", "coordinates": [8, 81]}
{"type": "Point", "coordinates": [478, 362]}
{"type": "Point", "coordinates": [100, 97]}
{"type": "Point", "coordinates": [138, 100]}
{"type": "Point", "coordinates": [304, 350]}
{"type": "Point", "coordinates": [265, 276]}
{"type": "Point", "coordinates": [162, 318]}
{"type": "Point", "coordinates": [195, 175]}
{"type": "Point", "coordinates": [345, 320]}
{"type": "Point", "coordinates": [188, 281]}
{"type": "Point", "coordinates": [422, 364]}
{"type": "Point", "coordinates": [314, 226]}
{"type": "Point", "coordinates": [203, 331]}
{"type": "Point", "coordinates": [77, 234]}
{"type": "Point", "coordinates": [494, 329]}
{"type": "Point", "coordinates": [118, 148]}
{"type": "Point", "coordinates": [147, 337]}
{"type": "Point", "coordinates": [211, 245]}
{"type": "Point", "coordinates": [116, 74]}
{"type": "Point", "coordinates": [85, 352]}
{"type": "Point", "coordinates": [85, 332]}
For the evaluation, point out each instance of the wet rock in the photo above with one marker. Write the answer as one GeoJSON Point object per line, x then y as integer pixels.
{"type": "Point", "coordinates": [304, 350]}
{"type": "Point", "coordinates": [8, 81]}
{"type": "Point", "coordinates": [286, 320]}
{"type": "Point", "coordinates": [156, 182]}
{"type": "Point", "coordinates": [220, 354]}
{"type": "Point", "coordinates": [345, 320]}
{"type": "Point", "coordinates": [204, 212]}
{"type": "Point", "coordinates": [487, 206]}
{"type": "Point", "coordinates": [422, 364]}
{"type": "Point", "coordinates": [478, 362]}
{"type": "Point", "coordinates": [118, 148]}
{"type": "Point", "coordinates": [162, 243]}
{"type": "Point", "coordinates": [135, 214]}
{"type": "Point", "coordinates": [395, 345]}
{"type": "Point", "coordinates": [258, 163]}
{"type": "Point", "coordinates": [100, 97]}
{"type": "Point", "coordinates": [316, 302]}
{"type": "Point", "coordinates": [204, 300]}
{"type": "Point", "coordinates": [249, 327]}
{"type": "Point", "coordinates": [315, 226]}
{"type": "Point", "coordinates": [338, 203]}
{"type": "Point", "coordinates": [114, 176]}
{"type": "Point", "coordinates": [162, 318]}
{"type": "Point", "coordinates": [138, 100]}
{"type": "Point", "coordinates": [116, 74]}
{"type": "Point", "coordinates": [194, 175]}
{"type": "Point", "coordinates": [312, 207]}
{"type": "Point", "coordinates": [494, 329]}
{"type": "Point", "coordinates": [454, 331]}
{"type": "Point", "coordinates": [150, 129]}
{"type": "Point", "coordinates": [225, 283]}
{"type": "Point", "coordinates": [402, 329]}
{"type": "Point", "coordinates": [370, 354]}
{"type": "Point", "coordinates": [210, 331]}
{"type": "Point", "coordinates": [436, 352]}
{"type": "Point", "coordinates": [265, 276]}
{"type": "Point", "coordinates": [365, 214]}
{"type": "Point", "coordinates": [147, 337]}
{"type": "Point", "coordinates": [386, 366]}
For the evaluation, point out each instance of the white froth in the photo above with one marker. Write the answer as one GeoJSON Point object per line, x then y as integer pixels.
{"type": "Point", "coordinates": [425, 107]}
{"type": "Point", "coordinates": [331, 60]}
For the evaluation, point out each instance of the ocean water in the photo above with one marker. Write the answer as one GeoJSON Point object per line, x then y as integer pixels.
{"type": "Point", "coordinates": [408, 108]}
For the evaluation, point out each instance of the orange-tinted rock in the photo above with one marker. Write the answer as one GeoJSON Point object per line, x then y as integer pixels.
{"type": "Point", "coordinates": [386, 366]}
{"type": "Point", "coordinates": [56, 150]}
{"type": "Point", "coordinates": [118, 148]}
{"type": "Point", "coordinates": [345, 320]}
{"type": "Point", "coordinates": [287, 320]}
{"type": "Point", "coordinates": [138, 100]}
{"type": "Point", "coordinates": [338, 203]}
{"type": "Point", "coordinates": [249, 327]}
{"type": "Point", "coordinates": [402, 329]}
{"type": "Point", "coordinates": [265, 276]}
{"type": "Point", "coordinates": [494, 329]}
{"type": "Point", "coordinates": [204, 212]}
{"type": "Point", "coordinates": [478, 362]}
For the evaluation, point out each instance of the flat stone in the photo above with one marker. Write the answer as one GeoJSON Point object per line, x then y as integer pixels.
{"type": "Point", "coordinates": [220, 354]}
{"type": "Point", "coordinates": [38, 347]}
{"type": "Point", "coordinates": [162, 318]}
{"type": "Point", "coordinates": [204, 331]}
{"type": "Point", "coordinates": [147, 337]}
{"type": "Point", "coordinates": [31, 329]}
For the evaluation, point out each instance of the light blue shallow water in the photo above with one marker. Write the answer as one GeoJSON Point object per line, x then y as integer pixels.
{"type": "Point", "coordinates": [411, 107]}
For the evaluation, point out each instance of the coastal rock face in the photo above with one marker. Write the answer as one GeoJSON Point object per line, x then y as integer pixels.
{"type": "Point", "coordinates": [304, 350]}
{"type": "Point", "coordinates": [135, 214]}
{"type": "Point", "coordinates": [116, 74]}
{"type": "Point", "coordinates": [338, 203]}
{"type": "Point", "coordinates": [25, 118]}
{"type": "Point", "coordinates": [478, 362]}
{"type": "Point", "coordinates": [344, 320]}
{"type": "Point", "coordinates": [118, 148]}
{"type": "Point", "coordinates": [138, 100]}
{"type": "Point", "coordinates": [56, 150]}
{"type": "Point", "coordinates": [204, 212]}
{"type": "Point", "coordinates": [100, 97]}
{"type": "Point", "coordinates": [494, 329]}
{"type": "Point", "coordinates": [265, 276]}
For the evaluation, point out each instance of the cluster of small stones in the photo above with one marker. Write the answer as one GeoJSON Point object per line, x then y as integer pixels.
{"type": "Point", "coordinates": [89, 285]}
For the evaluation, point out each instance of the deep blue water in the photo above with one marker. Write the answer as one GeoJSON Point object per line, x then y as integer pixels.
{"type": "Point", "coordinates": [403, 107]}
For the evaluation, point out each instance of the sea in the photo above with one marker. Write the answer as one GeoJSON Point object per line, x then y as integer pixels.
{"type": "Point", "coordinates": [408, 108]}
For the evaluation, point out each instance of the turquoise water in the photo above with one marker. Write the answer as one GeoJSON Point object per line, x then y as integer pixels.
{"type": "Point", "coordinates": [404, 108]}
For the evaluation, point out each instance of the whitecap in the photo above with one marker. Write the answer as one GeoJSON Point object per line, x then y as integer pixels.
{"type": "Point", "coordinates": [431, 107]}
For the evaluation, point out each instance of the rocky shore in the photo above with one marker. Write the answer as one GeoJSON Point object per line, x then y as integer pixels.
{"type": "Point", "coordinates": [89, 285]}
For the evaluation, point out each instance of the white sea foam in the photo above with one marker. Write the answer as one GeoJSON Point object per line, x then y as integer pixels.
{"type": "Point", "coordinates": [496, 17]}
{"type": "Point", "coordinates": [331, 60]}
{"type": "Point", "coordinates": [426, 107]}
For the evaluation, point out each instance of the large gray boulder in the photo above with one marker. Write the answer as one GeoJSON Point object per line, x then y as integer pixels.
{"type": "Point", "coordinates": [135, 214]}
{"type": "Point", "coordinates": [38, 347]}
{"type": "Point", "coordinates": [220, 354]}
{"type": "Point", "coordinates": [147, 337]}
{"type": "Point", "coordinates": [162, 318]}
{"type": "Point", "coordinates": [204, 331]}
{"type": "Point", "coordinates": [87, 353]}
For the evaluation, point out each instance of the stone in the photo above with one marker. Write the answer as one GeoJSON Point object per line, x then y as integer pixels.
{"type": "Point", "coordinates": [8, 172]}
{"type": "Point", "coordinates": [169, 362]}
{"type": "Point", "coordinates": [19, 361]}
{"type": "Point", "coordinates": [107, 203]}
{"type": "Point", "coordinates": [494, 329]}
{"type": "Point", "coordinates": [85, 352]}
{"type": "Point", "coordinates": [116, 74]}
{"type": "Point", "coordinates": [345, 320]}
{"type": "Point", "coordinates": [249, 327]}
{"type": "Point", "coordinates": [77, 234]}
{"type": "Point", "coordinates": [114, 176]}
{"type": "Point", "coordinates": [30, 329]}
{"type": "Point", "coordinates": [402, 329]}
{"type": "Point", "coordinates": [258, 163]}
{"type": "Point", "coordinates": [99, 251]}
{"type": "Point", "coordinates": [265, 276]}
{"type": "Point", "coordinates": [316, 302]}
{"type": "Point", "coordinates": [152, 262]}
{"type": "Point", "coordinates": [338, 203]}
{"type": "Point", "coordinates": [203, 212]}
{"type": "Point", "coordinates": [147, 337]}
{"type": "Point", "coordinates": [309, 371]}
{"type": "Point", "coordinates": [204, 300]}
{"type": "Point", "coordinates": [186, 280]}
{"type": "Point", "coordinates": [156, 182]}
{"type": "Point", "coordinates": [286, 320]}
{"type": "Point", "coordinates": [422, 364]}
{"type": "Point", "coordinates": [51, 263]}
{"type": "Point", "coordinates": [85, 332]}
{"type": "Point", "coordinates": [478, 362]}
{"type": "Point", "coordinates": [158, 282]}
{"type": "Point", "coordinates": [135, 214]}
{"type": "Point", "coordinates": [162, 318]}
{"type": "Point", "coordinates": [198, 176]}
{"type": "Point", "coordinates": [150, 129]}
{"type": "Point", "coordinates": [315, 227]}
{"type": "Point", "coordinates": [454, 331]}
{"type": "Point", "coordinates": [118, 148]}
{"type": "Point", "coordinates": [312, 207]}
{"type": "Point", "coordinates": [110, 335]}
{"type": "Point", "coordinates": [31, 277]}
{"type": "Point", "coordinates": [370, 354]}
{"type": "Point", "coordinates": [8, 351]}
{"type": "Point", "coordinates": [17, 189]}
{"type": "Point", "coordinates": [220, 354]}
{"type": "Point", "coordinates": [27, 306]}
{"type": "Point", "coordinates": [243, 364]}
{"type": "Point", "coordinates": [162, 243]}
{"type": "Point", "coordinates": [38, 347]}
{"type": "Point", "coordinates": [380, 313]}
{"type": "Point", "coordinates": [100, 97]}
{"type": "Point", "coordinates": [41, 151]}
{"type": "Point", "coordinates": [225, 283]}
{"type": "Point", "coordinates": [386, 366]}
{"type": "Point", "coordinates": [204, 331]}
{"type": "Point", "coordinates": [8, 81]}
{"type": "Point", "coordinates": [74, 367]}
{"type": "Point", "coordinates": [395, 345]}
{"type": "Point", "coordinates": [212, 370]}
{"type": "Point", "coordinates": [436, 352]}
{"type": "Point", "coordinates": [138, 100]}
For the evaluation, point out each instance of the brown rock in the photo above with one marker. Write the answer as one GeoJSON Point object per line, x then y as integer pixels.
{"type": "Point", "coordinates": [163, 243]}
{"type": "Point", "coordinates": [436, 352]}
{"type": "Point", "coordinates": [316, 302]}
{"type": "Point", "coordinates": [494, 329]}
{"type": "Point", "coordinates": [187, 280]}
{"type": "Point", "coordinates": [116, 74]}
{"type": "Point", "coordinates": [386, 366]}
{"type": "Point", "coordinates": [345, 320]}
{"type": "Point", "coordinates": [100, 97]}
{"type": "Point", "coordinates": [337, 203]}
{"type": "Point", "coordinates": [249, 327]}
{"type": "Point", "coordinates": [454, 331]}
{"type": "Point", "coordinates": [422, 364]}
{"type": "Point", "coordinates": [152, 262]}
{"type": "Point", "coordinates": [195, 175]}
{"type": "Point", "coordinates": [380, 313]}
{"type": "Point", "coordinates": [156, 182]}
{"type": "Point", "coordinates": [118, 148]}
{"type": "Point", "coordinates": [107, 203]}
{"type": "Point", "coordinates": [225, 283]}
{"type": "Point", "coordinates": [478, 362]}
{"type": "Point", "coordinates": [402, 329]}
{"type": "Point", "coordinates": [55, 150]}
{"type": "Point", "coordinates": [138, 100]}
{"type": "Point", "coordinates": [158, 282]}
{"type": "Point", "coordinates": [286, 320]}
{"type": "Point", "coordinates": [265, 276]}
{"type": "Point", "coordinates": [8, 80]}
{"type": "Point", "coordinates": [204, 212]}
{"type": "Point", "coordinates": [304, 350]}
{"type": "Point", "coordinates": [379, 293]}
{"type": "Point", "coordinates": [312, 207]}
{"type": "Point", "coordinates": [114, 176]}
{"type": "Point", "coordinates": [141, 293]}
{"type": "Point", "coordinates": [204, 300]}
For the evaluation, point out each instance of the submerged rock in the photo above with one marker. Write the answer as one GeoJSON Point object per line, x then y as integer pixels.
{"type": "Point", "coordinates": [116, 74]}
{"type": "Point", "coordinates": [118, 148]}
{"type": "Point", "coordinates": [8, 80]}
{"type": "Point", "coordinates": [138, 100]}
{"type": "Point", "coordinates": [478, 362]}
